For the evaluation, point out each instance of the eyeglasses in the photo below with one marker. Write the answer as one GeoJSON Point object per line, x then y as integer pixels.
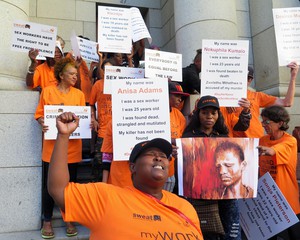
{"type": "Point", "coordinates": [266, 122]}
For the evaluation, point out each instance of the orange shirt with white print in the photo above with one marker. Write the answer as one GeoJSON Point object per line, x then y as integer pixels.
{"type": "Point", "coordinates": [257, 100]}
{"type": "Point", "coordinates": [52, 96]}
{"type": "Point", "coordinates": [44, 76]}
{"type": "Point", "coordinates": [177, 125]}
{"type": "Point", "coordinates": [101, 207]}
{"type": "Point", "coordinates": [104, 107]}
{"type": "Point", "coordinates": [282, 166]}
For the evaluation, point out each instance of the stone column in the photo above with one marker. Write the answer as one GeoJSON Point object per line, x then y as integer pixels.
{"type": "Point", "coordinates": [13, 64]}
{"type": "Point", "coordinates": [202, 19]}
{"type": "Point", "coordinates": [20, 134]}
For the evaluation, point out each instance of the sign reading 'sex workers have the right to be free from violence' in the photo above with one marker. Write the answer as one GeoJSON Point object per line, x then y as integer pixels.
{"type": "Point", "coordinates": [28, 35]}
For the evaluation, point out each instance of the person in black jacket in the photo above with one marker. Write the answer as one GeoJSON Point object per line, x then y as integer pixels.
{"type": "Point", "coordinates": [207, 121]}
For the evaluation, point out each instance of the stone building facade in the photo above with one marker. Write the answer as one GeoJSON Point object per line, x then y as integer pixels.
{"type": "Point", "coordinates": [175, 26]}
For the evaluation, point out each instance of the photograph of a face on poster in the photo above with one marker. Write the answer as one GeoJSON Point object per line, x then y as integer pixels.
{"type": "Point", "coordinates": [217, 168]}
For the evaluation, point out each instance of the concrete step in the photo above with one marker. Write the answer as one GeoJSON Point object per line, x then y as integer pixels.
{"type": "Point", "coordinates": [60, 234]}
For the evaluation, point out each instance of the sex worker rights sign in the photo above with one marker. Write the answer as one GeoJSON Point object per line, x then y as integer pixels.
{"type": "Point", "coordinates": [51, 112]}
{"type": "Point", "coordinates": [268, 214]}
{"type": "Point", "coordinates": [140, 112]}
{"type": "Point", "coordinates": [28, 35]}
{"type": "Point", "coordinates": [224, 70]}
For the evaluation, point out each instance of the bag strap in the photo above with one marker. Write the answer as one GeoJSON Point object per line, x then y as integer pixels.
{"type": "Point", "coordinates": [179, 213]}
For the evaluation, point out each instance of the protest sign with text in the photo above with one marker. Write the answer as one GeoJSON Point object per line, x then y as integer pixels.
{"type": "Point", "coordinates": [28, 35]}
{"type": "Point", "coordinates": [117, 27]}
{"type": "Point", "coordinates": [224, 70]}
{"type": "Point", "coordinates": [140, 112]}
{"type": "Point", "coordinates": [83, 112]}
{"type": "Point", "coordinates": [204, 174]}
{"type": "Point", "coordinates": [84, 48]}
{"type": "Point", "coordinates": [287, 32]}
{"type": "Point", "coordinates": [268, 214]}
{"type": "Point", "coordinates": [163, 65]}
{"type": "Point", "coordinates": [117, 73]}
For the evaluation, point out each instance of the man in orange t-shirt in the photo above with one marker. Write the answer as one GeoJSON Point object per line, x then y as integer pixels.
{"type": "Point", "coordinates": [140, 211]}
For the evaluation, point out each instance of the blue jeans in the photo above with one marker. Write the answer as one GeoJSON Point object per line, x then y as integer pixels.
{"type": "Point", "coordinates": [229, 214]}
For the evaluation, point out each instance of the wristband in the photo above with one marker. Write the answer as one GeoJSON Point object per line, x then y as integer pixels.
{"type": "Point", "coordinates": [30, 72]}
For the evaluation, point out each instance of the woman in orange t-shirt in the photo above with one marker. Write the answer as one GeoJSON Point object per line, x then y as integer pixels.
{"type": "Point", "coordinates": [278, 156]}
{"type": "Point", "coordinates": [61, 94]}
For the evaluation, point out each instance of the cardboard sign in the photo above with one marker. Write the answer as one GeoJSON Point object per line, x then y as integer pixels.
{"type": "Point", "coordinates": [83, 112]}
{"type": "Point", "coordinates": [140, 112]}
{"type": "Point", "coordinates": [224, 70]}
{"type": "Point", "coordinates": [287, 32]}
{"type": "Point", "coordinates": [28, 35]}
{"type": "Point", "coordinates": [163, 65]}
{"type": "Point", "coordinates": [112, 73]}
{"type": "Point", "coordinates": [212, 168]}
{"type": "Point", "coordinates": [268, 214]}
{"type": "Point", "coordinates": [117, 27]}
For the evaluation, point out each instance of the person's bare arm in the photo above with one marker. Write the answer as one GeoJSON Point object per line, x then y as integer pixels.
{"type": "Point", "coordinates": [32, 54]}
{"type": "Point", "coordinates": [58, 175]}
{"type": "Point", "coordinates": [289, 98]}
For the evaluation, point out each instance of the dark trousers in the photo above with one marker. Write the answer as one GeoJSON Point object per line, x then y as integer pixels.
{"type": "Point", "coordinates": [47, 200]}
{"type": "Point", "coordinates": [229, 214]}
{"type": "Point", "coordinates": [292, 232]}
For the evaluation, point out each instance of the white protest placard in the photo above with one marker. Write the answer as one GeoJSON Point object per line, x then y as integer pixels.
{"type": "Point", "coordinates": [138, 26]}
{"type": "Point", "coordinates": [87, 49]}
{"type": "Point", "coordinates": [287, 32]}
{"type": "Point", "coordinates": [28, 35]}
{"type": "Point", "coordinates": [140, 112]}
{"type": "Point", "coordinates": [268, 214]}
{"type": "Point", "coordinates": [117, 73]}
{"type": "Point", "coordinates": [83, 112]}
{"type": "Point", "coordinates": [224, 70]}
{"type": "Point", "coordinates": [163, 65]}
{"type": "Point", "coordinates": [114, 30]}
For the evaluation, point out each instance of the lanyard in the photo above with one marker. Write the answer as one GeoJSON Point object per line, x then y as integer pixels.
{"type": "Point", "coordinates": [179, 213]}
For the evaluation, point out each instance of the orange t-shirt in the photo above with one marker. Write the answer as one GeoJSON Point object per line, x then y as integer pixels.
{"type": "Point", "coordinates": [52, 96]}
{"type": "Point", "coordinates": [177, 125]}
{"type": "Point", "coordinates": [230, 120]}
{"type": "Point", "coordinates": [257, 100]}
{"type": "Point", "coordinates": [103, 106]}
{"type": "Point", "coordinates": [111, 212]}
{"type": "Point", "coordinates": [85, 81]}
{"type": "Point", "coordinates": [119, 174]}
{"type": "Point", "coordinates": [44, 76]}
{"type": "Point", "coordinates": [282, 166]}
